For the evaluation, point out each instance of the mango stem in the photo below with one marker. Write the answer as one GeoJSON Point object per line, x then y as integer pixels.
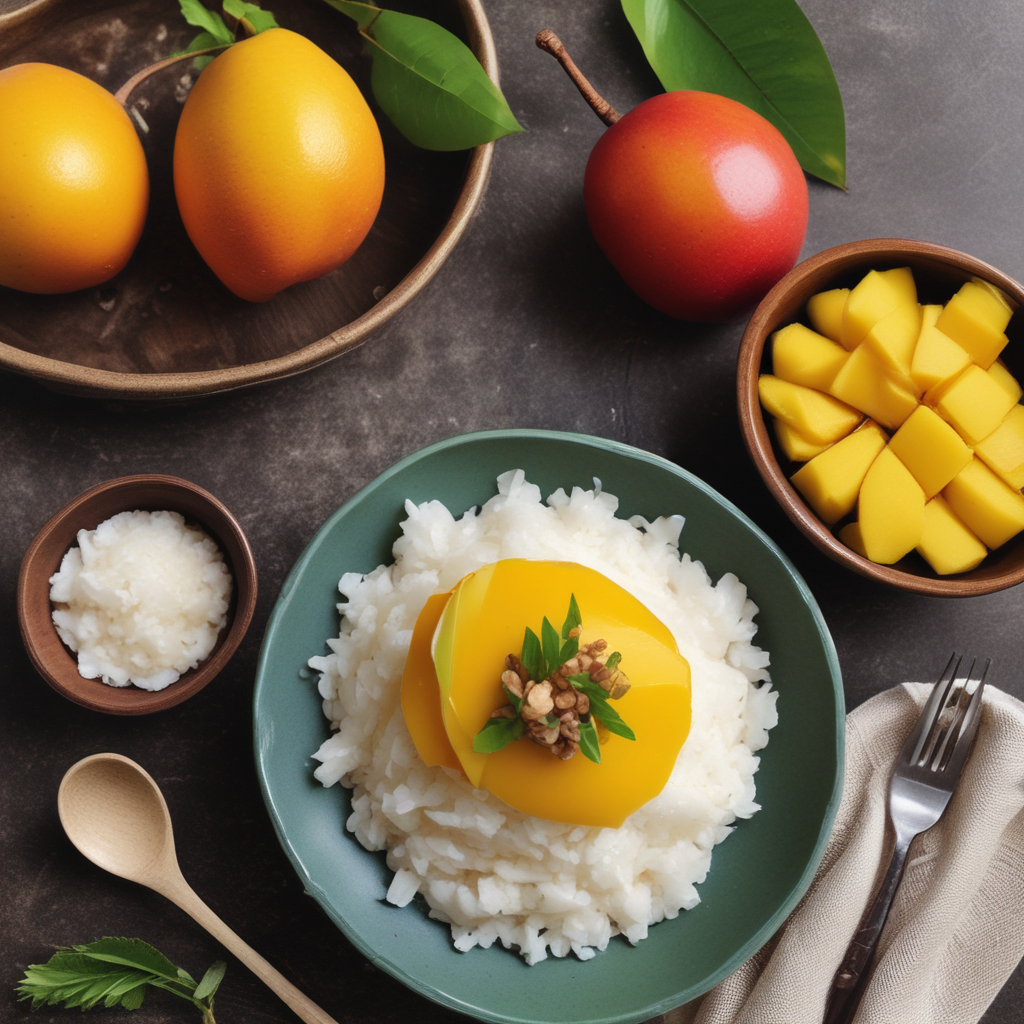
{"type": "Point", "coordinates": [547, 40]}
{"type": "Point", "coordinates": [126, 90]}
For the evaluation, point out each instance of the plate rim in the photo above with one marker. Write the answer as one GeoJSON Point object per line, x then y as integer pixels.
{"type": "Point", "coordinates": [777, 919]}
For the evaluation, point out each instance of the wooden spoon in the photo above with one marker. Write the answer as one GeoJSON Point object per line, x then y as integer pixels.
{"type": "Point", "coordinates": [115, 814]}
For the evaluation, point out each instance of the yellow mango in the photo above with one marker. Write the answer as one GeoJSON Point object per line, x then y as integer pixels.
{"type": "Point", "coordinates": [1003, 449]}
{"type": "Point", "coordinates": [890, 510]}
{"type": "Point", "coordinates": [831, 481]}
{"type": "Point", "coordinates": [946, 544]}
{"type": "Point", "coordinates": [994, 511]}
{"type": "Point", "coordinates": [931, 449]}
{"type": "Point", "coordinates": [801, 356]}
{"type": "Point", "coordinates": [1006, 380]}
{"type": "Point", "coordinates": [794, 444]}
{"type": "Point", "coordinates": [999, 295]}
{"type": "Point", "coordinates": [976, 319]}
{"type": "Point", "coordinates": [484, 621]}
{"type": "Point", "coordinates": [816, 416]}
{"type": "Point", "coordinates": [863, 383]}
{"type": "Point", "coordinates": [825, 311]}
{"type": "Point", "coordinates": [901, 280]}
{"type": "Point", "coordinates": [876, 295]}
{"type": "Point", "coordinates": [974, 403]}
{"type": "Point", "coordinates": [937, 357]}
{"type": "Point", "coordinates": [894, 338]}
{"type": "Point", "coordinates": [850, 535]}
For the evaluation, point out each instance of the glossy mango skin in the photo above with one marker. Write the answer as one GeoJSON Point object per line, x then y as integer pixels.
{"type": "Point", "coordinates": [74, 186]}
{"type": "Point", "coordinates": [698, 202]}
{"type": "Point", "coordinates": [278, 164]}
{"type": "Point", "coordinates": [493, 606]}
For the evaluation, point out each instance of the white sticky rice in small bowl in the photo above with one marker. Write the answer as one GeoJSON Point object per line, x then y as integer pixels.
{"type": "Point", "coordinates": [487, 870]}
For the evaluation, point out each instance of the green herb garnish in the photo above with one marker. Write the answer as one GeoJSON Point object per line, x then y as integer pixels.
{"type": "Point", "coordinates": [115, 972]}
{"type": "Point", "coordinates": [557, 691]}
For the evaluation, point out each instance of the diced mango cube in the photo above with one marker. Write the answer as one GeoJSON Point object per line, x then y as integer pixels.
{"type": "Point", "coordinates": [999, 295]}
{"type": "Point", "coordinates": [862, 382]}
{"type": "Point", "coordinates": [794, 444]}
{"type": "Point", "coordinates": [831, 481]}
{"type": "Point", "coordinates": [974, 403]}
{"type": "Point", "coordinates": [894, 338]}
{"type": "Point", "coordinates": [1006, 380]}
{"type": "Point", "coordinates": [976, 319]}
{"type": "Point", "coordinates": [937, 357]}
{"type": "Point", "coordinates": [815, 415]}
{"type": "Point", "coordinates": [1003, 449]}
{"type": "Point", "coordinates": [901, 280]}
{"type": "Point", "coordinates": [931, 449]}
{"type": "Point", "coordinates": [803, 357]}
{"type": "Point", "coordinates": [994, 511]}
{"type": "Point", "coordinates": [876, 295]}
{"type": "Point", "coordinates": [825, 311]}
{"type": "Point", "coordinates": [890, 510]}
{"type": "Point", "coordinates": [946, 544]}
{"type": "Point", "coordinates": [850, 535]}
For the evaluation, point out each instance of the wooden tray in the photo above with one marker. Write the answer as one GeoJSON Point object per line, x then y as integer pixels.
{"type": "Point", "coordinates": [165, 327]}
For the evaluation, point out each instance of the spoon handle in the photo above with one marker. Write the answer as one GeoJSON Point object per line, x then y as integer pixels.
{"type": "Point", "coordinates": [181, 893]}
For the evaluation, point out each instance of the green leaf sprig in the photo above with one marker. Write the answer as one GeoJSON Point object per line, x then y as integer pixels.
{"type": "Point", "coordinates": [251, 18]}
{"type": "Point", "coordinates": [115, 972]}
{"type": "Point", "coordinates": [765, 55]}
{"type": "Point", "coordinates": [428, 82]}
{"type": "Point", "coordinates": [541, 657]}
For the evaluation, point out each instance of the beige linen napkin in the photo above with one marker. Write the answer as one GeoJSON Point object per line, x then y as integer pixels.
{"type": "Point", "coordinates": [956, 929]}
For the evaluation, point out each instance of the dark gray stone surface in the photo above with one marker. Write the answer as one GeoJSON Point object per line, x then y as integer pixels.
{"type": "Point", "coordinates": [526, 325]}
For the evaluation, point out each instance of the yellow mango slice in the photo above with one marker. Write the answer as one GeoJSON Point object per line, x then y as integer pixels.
{"type": "Point", "coordinates": [863, 383]}
{"type": "Point", "coordinates": [817, 416]}
{"type": "Point", "coordinates": [831, 481]}
{"type": "Point", "coordinates": [890, 510]}
{"type": "Point", "coordinates": [794, 444]}
{"type": "Point", "coordinates": [1003, 449]}
{"type": "Point", "coordinates": [421, 698]}
{"type": "Point", "coordinates": [484, 621]}
{"type": "Point", "coordinates": [894, 338]}
{"type": "Point", "coordinates": [801, 356]}
{"type": "Point", "coordinates": [976, 319]}
{"type": "Point", "coordinates": [825, 311]}
{"type": "Point", "coordinates": [876, 295]}
{"type": "Point", "coordinates": [946, 544]}
{"type": "Point", "coordinates": [937, 357]}
{"type": "Point", "coordinates": [931, 449]}
{"type": "Point", "coordinates": [974, 403]}
{"type": "Point", "coordinates": [1006, 380]}
{"type": "Point", "coordinates": [994, 511]}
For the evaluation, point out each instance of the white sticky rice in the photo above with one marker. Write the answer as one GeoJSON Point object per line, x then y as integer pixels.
{"type": "Point", "coordinates": [141, 599]}
{"type": "Point", "coordinates": [486, 869]}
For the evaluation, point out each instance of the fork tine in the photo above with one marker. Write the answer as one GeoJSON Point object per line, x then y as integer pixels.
{"type": "Point", "coordinates": [911, 752]}
{"type": "Point", "coordinates": [971, 721]}
{"type": "Point", "coordinates": [962, 684]}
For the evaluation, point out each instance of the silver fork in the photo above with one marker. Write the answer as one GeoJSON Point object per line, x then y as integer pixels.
{"type": "Point", "coordinates": [923, 780]}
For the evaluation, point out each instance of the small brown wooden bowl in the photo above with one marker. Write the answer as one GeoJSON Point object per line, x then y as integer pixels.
{"type": "Point", "coordinates": [165, 328]}
{"type": "Point", "coordinates": [147, 492]}
{"type": "Point", "coordinates": [939, 271]}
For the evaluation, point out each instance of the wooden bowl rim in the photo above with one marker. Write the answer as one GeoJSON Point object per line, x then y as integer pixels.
{"type": "Point", "coordinates": [56, 664]}
{"type": "Point", "coordinates": [92, 382]}
{"type": "Point", "coordinates": [755, 431]}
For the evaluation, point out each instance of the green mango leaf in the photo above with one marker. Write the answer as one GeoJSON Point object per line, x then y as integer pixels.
{"type": "Point", "coordinates": [498, 733]}
{"type": "Point", "coordinates": [209, 21]}
{"type": "Point", "coordinates": [572, 618]}
{"type": "Point", "coordinates": [428, 82]}
{"type": "Point", "coordinates": [211, 981]}
{"type": "Point", "coordinates": [589, 744]}
{"type": "Point", "coordinates": [766, 55]}
{"type": "Point", "coordinates": [532, 656]}
{"type": "Point", "coordinates": [253, 18]}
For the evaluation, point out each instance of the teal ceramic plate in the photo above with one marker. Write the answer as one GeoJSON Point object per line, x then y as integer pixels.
{"type": "Point", "coordinates": [757, 875]}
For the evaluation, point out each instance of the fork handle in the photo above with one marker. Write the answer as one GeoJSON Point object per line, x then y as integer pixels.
{"type": "Point", "coordinates": [848, 985]}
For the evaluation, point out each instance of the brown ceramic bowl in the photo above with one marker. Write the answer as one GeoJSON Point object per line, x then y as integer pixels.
{"type": "Point", "coordinates": [939, 272]}
{"type": "Point", "coordinates": [165, 328]}
{"type": "Point", "coordinates": [148, 492]}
